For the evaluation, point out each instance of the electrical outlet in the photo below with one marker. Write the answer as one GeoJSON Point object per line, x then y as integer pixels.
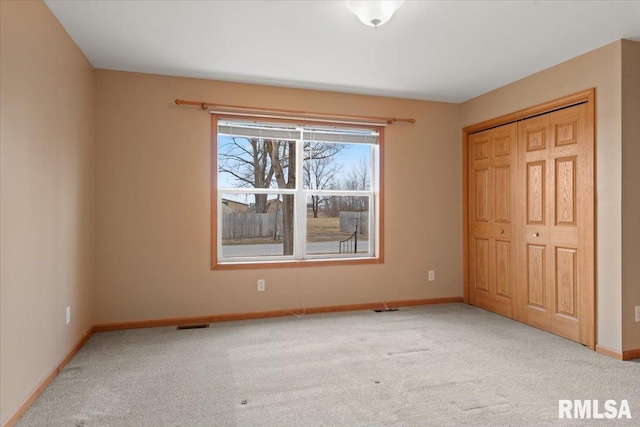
{"type": "Point", "coordinates": [67, 315]}
{"type": "Point", "coordinates": [637, 313]}
{"type": "Point", "coordinates": [261, 285]}
{"type": "Point", "coordinates": [432, 275]}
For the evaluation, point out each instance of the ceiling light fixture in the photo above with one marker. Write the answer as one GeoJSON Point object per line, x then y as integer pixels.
{"type": "Point", "coordinates": [374, 13]}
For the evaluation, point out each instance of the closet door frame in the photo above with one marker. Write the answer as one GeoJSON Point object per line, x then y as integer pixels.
{"type": "Point", "coordinates": [586, 96]}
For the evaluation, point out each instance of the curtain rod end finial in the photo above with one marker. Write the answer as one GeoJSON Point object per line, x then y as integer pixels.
{"type": "Point", "coordinates": [178, 101]}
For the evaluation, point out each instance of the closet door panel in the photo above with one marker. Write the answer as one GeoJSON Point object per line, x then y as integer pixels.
{"type": "Point", "coordinates": [492, 178]}
{"type": "Point", "coordinates": [565, 201]}
{"type": "Point", "coordinates": [481, 195]}
{"type": "Point", "coordinates": [502, 188]}
{"type": "Point", "coordinates": [503, 268]}
{"type": "Point", "coordinates": [566, 276]}
{"type": "Point", "coordinates": [536, 189]}
{"type": "Point", "coordinates": [482, 265]}
{"type": "Point", "coordinates": [556, 254]}
{"type": "Point", "coordinates": [536, 275]}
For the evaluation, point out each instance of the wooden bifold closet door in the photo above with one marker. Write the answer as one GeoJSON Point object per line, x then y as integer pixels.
{"type": "Point", "coordinates": [531, 222]}
{"type": "Point", "coordinates": [492, 180]}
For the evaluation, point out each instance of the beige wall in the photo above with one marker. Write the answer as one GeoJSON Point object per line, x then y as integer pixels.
{"type": "Point", "coordinates": [153, 211]}
{"type": "Point", "coordinates": [47, 158]}
{"type": "Point", "coordinates": [601, 69]}
{"type": "Point", "coordinates": [630, 193]}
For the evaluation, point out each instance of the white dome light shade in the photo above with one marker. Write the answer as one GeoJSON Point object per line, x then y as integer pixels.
{"type": "Point", "coordinates": [374, 13]}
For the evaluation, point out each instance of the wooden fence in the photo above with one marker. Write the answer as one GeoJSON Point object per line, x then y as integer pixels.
{"type": "Point", "coordinates": [249, 225]}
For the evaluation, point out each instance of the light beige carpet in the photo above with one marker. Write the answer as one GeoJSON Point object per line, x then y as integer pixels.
{"type": "Point", "coordinates": [446, 365]}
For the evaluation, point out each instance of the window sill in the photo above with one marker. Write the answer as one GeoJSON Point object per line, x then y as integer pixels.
{"type": "Point", "coordinates": [289, 264]}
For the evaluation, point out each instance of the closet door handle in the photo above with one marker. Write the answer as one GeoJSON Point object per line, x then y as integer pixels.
{"type": "Point", "coordinates": [501, 231]}
{"type": "Point", "coordinates": [536, 234]}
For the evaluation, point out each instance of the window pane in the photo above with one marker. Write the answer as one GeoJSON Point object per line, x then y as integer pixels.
{"type": "Point", "coordinates": [338, 225]}
{"type": "Point", "coordinates": [247, 231]}
{"type": "Point", "coordinates": [337, 166]}
{"type": "Point", "coordinates": [255, 162]}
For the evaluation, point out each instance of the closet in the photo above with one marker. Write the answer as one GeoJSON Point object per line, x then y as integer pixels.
{"type": "Point", "coordinates": [530, 218]}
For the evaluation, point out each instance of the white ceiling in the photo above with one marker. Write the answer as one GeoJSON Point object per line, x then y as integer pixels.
{"type": "Point", "coordinates": [432, 50]}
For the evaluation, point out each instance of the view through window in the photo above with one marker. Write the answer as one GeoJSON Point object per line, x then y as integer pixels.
{"type": "Point", "coordinates": [296, 192]}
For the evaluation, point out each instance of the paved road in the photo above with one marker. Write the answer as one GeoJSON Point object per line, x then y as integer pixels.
{"type": "Point", "coordinates": [276, 249]}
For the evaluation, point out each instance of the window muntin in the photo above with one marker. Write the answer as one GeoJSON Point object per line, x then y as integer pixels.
{"type": "Point", "coordinates": [268, 212]}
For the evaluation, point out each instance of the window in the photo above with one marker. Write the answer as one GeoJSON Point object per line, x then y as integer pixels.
{"type": "Point", "coordinates": [290, 193]}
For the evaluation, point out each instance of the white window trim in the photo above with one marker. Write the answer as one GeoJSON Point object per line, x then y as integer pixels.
{"type": "Point", "coordinates": [300, 208]}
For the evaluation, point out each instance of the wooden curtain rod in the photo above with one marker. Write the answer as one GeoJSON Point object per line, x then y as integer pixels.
{"type": "Point", "coordinates": [248, 110]}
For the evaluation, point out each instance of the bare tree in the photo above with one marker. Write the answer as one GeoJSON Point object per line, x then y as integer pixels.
{"type": "Point", "coordinates": [249, 162]}
{"type": "Point", "coordinates": [280, 152]}
{"type": "Point", "coordinates": [358, 179]}
{"type": "Point", "coordinates": [320, 174]}
{"type": "Point", "coordinates": [258, 162]}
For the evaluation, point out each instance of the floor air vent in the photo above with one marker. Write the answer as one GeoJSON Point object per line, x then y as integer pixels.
{"type": "Point", "coordinates": [384, 310]}
{"type": "Point", "coordinates": [200, 326]}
